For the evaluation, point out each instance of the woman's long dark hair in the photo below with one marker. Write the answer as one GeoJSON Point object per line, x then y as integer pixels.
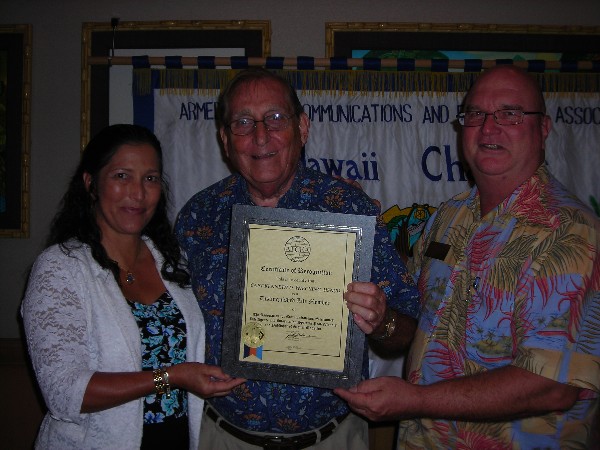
{"type": "Point", "coordinates": [76, 217]}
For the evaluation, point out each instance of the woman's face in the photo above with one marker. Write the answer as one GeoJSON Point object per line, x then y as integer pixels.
{"type": "Point", "coordinates": [128, 189]}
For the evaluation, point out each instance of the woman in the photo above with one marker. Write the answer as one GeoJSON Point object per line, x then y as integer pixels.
{"type": "Point", "coordinates": [114, 335]}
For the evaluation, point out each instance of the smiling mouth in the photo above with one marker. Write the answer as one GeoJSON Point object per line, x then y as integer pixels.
{"type": "Point", "coordinates": [134, 210]}
{"type": "Point", "coordinates": [490, 146]}
{"type": "Point", "coordinates": [265, 156]}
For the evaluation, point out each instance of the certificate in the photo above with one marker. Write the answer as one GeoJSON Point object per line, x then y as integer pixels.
{"type": "Point", "coordinates": [285, 316]}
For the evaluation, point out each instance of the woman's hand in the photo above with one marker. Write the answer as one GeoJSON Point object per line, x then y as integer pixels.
{"type": "Point", "coordinates": [203, 380]}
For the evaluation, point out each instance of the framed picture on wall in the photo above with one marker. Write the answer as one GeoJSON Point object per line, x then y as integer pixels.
{"type": "Point", "coordinates": [15, 98]}
{"type": "Point", "coordinates": [423, 41]}
{"type": "Point", "coordinates": [101, 41]}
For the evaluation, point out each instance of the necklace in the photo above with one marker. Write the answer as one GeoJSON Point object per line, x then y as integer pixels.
{"type": "Point", "coordinates": [129, 277]}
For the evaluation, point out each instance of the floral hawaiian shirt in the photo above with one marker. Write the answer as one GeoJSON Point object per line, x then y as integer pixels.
{"type": "Point", "coordinates": [203, 231]}
{"type": "Point", "coordinates": [519, 287]}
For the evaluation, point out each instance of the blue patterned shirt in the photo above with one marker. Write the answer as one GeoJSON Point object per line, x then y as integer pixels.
{"type": "Point", "coordinates": [203, 231]}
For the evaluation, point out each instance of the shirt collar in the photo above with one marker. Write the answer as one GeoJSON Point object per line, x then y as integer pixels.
{"type": "Point", "coordinates": [289, 198]}
{"type": "Point", "coordinates": [528, 202]}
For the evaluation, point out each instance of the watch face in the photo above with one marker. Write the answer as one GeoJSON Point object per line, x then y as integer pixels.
{"type": "Point", "coordinates": [390, 325]}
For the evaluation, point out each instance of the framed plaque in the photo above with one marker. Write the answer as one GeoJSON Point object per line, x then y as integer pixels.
{"type": "Point", "coordinates": [15, 128]}
{"type": "Point", "coordinates": [285, 316]}
{"type": "Point", "coordinates": [167, 37]}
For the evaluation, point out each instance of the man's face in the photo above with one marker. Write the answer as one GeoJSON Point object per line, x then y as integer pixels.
{"type": "Point", "coordinates": [266, 159]}
{"type": "Point", "coordinates": [506, 154]}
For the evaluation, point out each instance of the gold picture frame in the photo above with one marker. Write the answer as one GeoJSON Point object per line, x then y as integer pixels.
{"type": "Point", "coordinates": [254, 36]}
{"type": "Point", "coordinates": [15, 125]}
{"type": "Point", "coordinates": [342, 38]}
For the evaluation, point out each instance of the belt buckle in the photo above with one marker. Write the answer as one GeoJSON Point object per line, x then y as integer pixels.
{"type": "Point", "coordinates": [276, 442]}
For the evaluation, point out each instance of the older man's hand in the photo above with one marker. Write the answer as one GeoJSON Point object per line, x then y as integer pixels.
{"type": "Point", "coordinates": [368, 303]}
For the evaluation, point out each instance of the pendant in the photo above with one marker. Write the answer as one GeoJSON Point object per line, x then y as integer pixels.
{"type": "Point", "coordinates": [129, 278]}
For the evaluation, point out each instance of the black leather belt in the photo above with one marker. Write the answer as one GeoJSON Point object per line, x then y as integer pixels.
{"type": "Point", "coordinates": [282, 442]}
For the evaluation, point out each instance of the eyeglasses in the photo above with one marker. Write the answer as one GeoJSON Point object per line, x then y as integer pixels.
{"type": "Point", "coordinates": [501, 117]}
{"type": "Point", "coordinates": [273, 122]}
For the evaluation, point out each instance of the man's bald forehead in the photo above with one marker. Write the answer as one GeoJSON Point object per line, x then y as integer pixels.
{"type": "Point", "coordinates": [520, 77]}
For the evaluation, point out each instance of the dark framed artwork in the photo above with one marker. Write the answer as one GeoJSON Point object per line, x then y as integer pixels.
{"type": "Point", "coordinates": [15, 98]}
{"type": "Point", "coordinates": [99, 40]}
{"type": "Point", "coordinates": [462, 41]}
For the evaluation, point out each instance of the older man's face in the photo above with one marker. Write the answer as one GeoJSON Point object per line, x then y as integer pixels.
{"type": "Point", "coordinates": [507, 154]}
{"type": "Point", "coordinates": [266, 159]}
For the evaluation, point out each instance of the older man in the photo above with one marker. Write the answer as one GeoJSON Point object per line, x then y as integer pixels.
{"type": "Point", "coordinates": [507, 351]}
{"type": "Point", "coordinates": [263, 128]}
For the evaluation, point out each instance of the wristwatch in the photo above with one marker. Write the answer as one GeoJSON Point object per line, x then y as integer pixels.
{"type": "Point", "coordinates": [389, 325]}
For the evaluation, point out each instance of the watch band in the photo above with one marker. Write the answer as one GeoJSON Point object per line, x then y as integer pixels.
{"type": "Point", "coordinates": [389, 325]}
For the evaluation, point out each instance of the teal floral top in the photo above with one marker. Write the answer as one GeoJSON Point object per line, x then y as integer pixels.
{"type": "Point", "coordinates": [163, 333]}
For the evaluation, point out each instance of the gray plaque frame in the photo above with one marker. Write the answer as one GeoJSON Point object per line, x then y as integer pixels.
{"type": "Point", "coordinates": [242, 217]}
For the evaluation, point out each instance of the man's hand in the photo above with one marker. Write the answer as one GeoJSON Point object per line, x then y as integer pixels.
{"type": "Point", "coordinates": [377, 399]}
{"type": "Point", "coordinates": [368, 303]}
{"type": "Point", "coordinates": [496, 395]}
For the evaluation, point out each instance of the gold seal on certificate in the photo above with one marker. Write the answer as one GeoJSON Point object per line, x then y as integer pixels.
{"type": "Point", "coordinates": [287, 274]}
{"type": "Point", "coordinates": [253, 335]}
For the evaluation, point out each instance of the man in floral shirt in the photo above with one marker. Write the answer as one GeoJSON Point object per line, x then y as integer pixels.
{"type": "Point", "coordinates": [263, 128]}
{"type": "Point", "coordinates": [507, 351]}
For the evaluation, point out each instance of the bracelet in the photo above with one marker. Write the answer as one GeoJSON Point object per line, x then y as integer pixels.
{"type": "Point", "coordinates": [161, 382]}
{"type": "Point", "coordinates": [389, 324]}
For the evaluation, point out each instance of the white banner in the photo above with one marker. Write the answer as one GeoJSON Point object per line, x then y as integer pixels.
{"type": "Point", "coordinates": [403, 149]}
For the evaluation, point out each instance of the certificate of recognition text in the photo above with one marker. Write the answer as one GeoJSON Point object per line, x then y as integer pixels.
{"type": "Point", "coordinates": [294, 312]}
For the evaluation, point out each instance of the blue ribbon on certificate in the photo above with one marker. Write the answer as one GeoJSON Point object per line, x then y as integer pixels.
{"type": "Point", "coordinates": [250, 351]}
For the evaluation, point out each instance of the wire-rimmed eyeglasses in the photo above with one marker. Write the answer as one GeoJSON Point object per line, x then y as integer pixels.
{"type": "Point", "coordinates": [501, 117]}
{"type": "Point", "coordinates": [272, 122]}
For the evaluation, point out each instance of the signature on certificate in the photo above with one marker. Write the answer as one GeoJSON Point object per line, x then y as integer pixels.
{"type": "Point", "coordinates": [296, 336]}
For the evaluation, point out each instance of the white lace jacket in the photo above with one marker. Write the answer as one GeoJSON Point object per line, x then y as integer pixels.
{"type": "Point", "coordinates": [77, 322]}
